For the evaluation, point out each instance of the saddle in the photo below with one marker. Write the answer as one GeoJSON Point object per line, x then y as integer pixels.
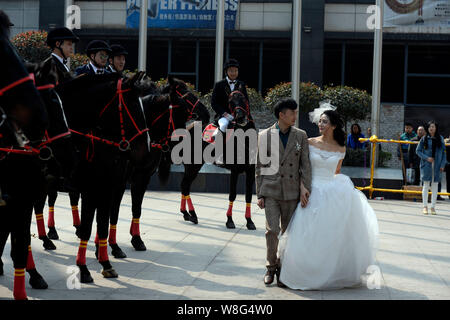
{"type": "Point", "coordinates": [208, 133]}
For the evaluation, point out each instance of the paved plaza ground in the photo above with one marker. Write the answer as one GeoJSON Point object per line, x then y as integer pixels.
{"type": "Point", "coordinates": [207, 261]}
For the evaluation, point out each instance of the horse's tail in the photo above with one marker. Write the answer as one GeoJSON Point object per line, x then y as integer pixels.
{"type": "Point", "coordinates": [164, 168]}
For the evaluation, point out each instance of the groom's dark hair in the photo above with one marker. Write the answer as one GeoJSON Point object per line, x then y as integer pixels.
{"type": "Point", "coordinates": [283, 104]}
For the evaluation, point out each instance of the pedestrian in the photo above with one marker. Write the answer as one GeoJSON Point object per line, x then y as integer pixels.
{"type": "Point", "coordinates": [447, 166]}
{"type": "Point", "coordinates": [414, 160]}
{"type": "Point", "coordinates": [406, 136]}
{"type": "Point", "coordinates": [98, 52]}
{"type": "Point", "coordinates": [61, 41]}
{"type": "Point", "coordinates": [117, 59]}
{"type": "Point", "coordinates": [431, 150]}
{"type": "Point", "coordinates": [354, 136]}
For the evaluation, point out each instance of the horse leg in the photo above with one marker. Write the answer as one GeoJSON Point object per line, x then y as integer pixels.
{"type": "Point", "coordinates": [190, 173]}
{"type": "Point", "coordinates": [117, 199]}
{"type": "Point", "coordinates": [232, 196]}
{"type": "Point", "coordinates": [3, 238]}
{"type": "Point", "coordinates": [139, 182]}
{"type": "Point", "coordinates": [36, 280]}
{"type": "Point", "coordinates": [103, 213]}
{"type": "Point", "coordinates": [84, 230]}
{"type": "Point", "coordinates": [52, 195]}
{"type": "Point", "coordinates": [38, 211]}
{"type": "Point", "coordinates": [249, 181]}
{"type": "Point", "coordinates": [74, 199]}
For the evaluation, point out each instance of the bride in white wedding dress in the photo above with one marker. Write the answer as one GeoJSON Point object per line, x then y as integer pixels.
{"type": "Point", "coordinates": [331, 242]}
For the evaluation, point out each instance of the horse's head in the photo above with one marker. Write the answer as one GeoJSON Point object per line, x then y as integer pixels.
{"type": "Point", "coordinates": [181, 95]}
{"type": "Point", "coordinates": [239, 108]}
{"type": "Point", "coordinates": [109, 106]}
{"type": "Point", "coordinates": [21, 107]}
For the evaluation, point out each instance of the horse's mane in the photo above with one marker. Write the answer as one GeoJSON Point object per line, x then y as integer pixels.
{"type": "Point", "coordinates": [84, 81]}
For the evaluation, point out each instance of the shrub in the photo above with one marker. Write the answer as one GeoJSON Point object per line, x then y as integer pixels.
{"type": "Point", "coordinates": [310, 95]}
{"type": "Point", "coordinates": [351, 103]}
{"type": "Point", "coordinates": [32, 46]}
{"type": "Point", "coordinates": [355, 158]}
{"type": "Point", "coordinates": [77, 60]}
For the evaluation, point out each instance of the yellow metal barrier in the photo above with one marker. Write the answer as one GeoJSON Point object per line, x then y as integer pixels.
{"type": "Point", "coordinates": [374, 140]}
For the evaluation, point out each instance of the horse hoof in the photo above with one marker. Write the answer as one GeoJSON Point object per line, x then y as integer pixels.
{"type": "Point", "coordinates": [250, 225]}
{"type": "Point", "coordinates": [52, 234]}
{"type": "Point", "coordinates": [110, 273]}
{"type": "Point", "coordinates": [85, 275]}
{"type": "Point", "coordinates": [37, 282]}
{"type": "Point", "coordinates": [186, 215]}
{"type": "Point", "coordinates": [48, 244]}
{"type": "Point", "coordinates": [138, 244]}
{"type": "Point", "coordinates": [117, 252]}
{"type": "Point", "coordinates": [230, 224]}
{"type": "Point", "coordinates": [193, 217]}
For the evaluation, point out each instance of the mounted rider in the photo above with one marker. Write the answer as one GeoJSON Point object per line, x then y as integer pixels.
{"type": "Point", "coordinates": [98, 52]}
{"type": "Point", "coordinates": [223, 89]}
{"type": "Point", "coordinates": [61, 41]}
{"type": "Point", "coordinates": [117, 59]}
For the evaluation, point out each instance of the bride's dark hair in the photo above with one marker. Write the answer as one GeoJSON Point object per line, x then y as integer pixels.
{"type": "Point", "coordinates": [336, 120]}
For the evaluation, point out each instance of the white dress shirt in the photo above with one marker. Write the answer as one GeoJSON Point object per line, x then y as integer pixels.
{"type": "Point", "coordinates": [61, 60]}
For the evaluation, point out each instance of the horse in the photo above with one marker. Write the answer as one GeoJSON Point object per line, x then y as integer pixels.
{"type": "Point", "coordinates": [23, 120]}
{"type": "Point", "coordinates": [56, 146]}
{"type": "Point", "coordinates": [239, 108]}
{"type": "Point", "coordinates": [165, 112]}
{"type": "Point", "coordinates": [58, 167]}
{"type": "Point", "coordinates": [109, 130]}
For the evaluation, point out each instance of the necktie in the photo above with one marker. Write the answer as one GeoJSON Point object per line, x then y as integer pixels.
{"type": "Point", "coordinates": [233, 82]}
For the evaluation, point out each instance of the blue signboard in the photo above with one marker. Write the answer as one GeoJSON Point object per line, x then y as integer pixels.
{"type": "Point", "coordinates": [182, 14]}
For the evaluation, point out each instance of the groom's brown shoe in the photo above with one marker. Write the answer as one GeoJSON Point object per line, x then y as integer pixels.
{"type": "Point", "coordinates": [269, 277]}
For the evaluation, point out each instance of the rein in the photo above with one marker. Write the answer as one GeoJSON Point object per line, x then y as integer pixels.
{"type": "Point", "coordinates": [124, 144]}
{"type": "Point", "coordinates": [28, 150]}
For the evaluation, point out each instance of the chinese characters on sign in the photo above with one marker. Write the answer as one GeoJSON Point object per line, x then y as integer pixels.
{"type": "Point", "coordinates": [182, 14]}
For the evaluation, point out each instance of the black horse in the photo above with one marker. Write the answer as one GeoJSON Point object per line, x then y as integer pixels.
{"type": "Point", "coordinates": [58, 168]}
{"type": "Point", "coordinates": [56, 146]}
{"type": "Point", "coordinates": [242, 162]}
{"type": "Point", "coordinates": [109, 131]}
{"type": "Point", "coordinates": [23, 120]}
{"type": "Point", "coordinates": [165, 112]}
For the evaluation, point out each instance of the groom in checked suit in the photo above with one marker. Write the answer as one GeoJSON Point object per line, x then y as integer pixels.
{"type": "Point", "coordinates": [279, 188]}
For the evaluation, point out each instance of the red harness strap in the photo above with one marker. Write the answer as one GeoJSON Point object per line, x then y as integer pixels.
{"type": "Point", "coordinates": [124, 144]}
{"type": "Point", "coordinates": [30, 77]}
{"type": "Point", "coordinates": [164, 142]}
{"type": "Point", "coordinates": [28, 150]}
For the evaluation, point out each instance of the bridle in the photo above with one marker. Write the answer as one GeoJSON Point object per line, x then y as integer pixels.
{"type": "Point", "coordinates": [43, 151]}
{"type": "Point", "coordinates": [124, 144]}
{"type": "Point", "coordinates": [245, 109]}
{"type": "Point", "coordinates": [163, 144]}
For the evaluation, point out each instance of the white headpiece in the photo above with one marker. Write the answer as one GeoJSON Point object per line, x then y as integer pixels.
{"type": "Point", "coordinates": [314, 116]}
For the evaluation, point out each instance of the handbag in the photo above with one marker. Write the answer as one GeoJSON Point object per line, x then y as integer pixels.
{"type": "Point", "coordinates": [410, 175]}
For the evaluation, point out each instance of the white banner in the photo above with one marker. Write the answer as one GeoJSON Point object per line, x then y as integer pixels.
{"type": "Point", "coordinates": [417, 13]}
